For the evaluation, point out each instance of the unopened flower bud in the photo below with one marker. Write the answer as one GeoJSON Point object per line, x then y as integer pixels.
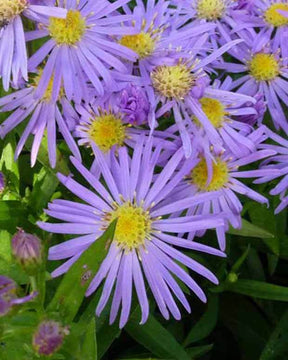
{"type": "Point", "coordinates": [27, 250]}
{"type": "Point", "coordinates": [49, 337]}
{"type": "Point", "coordinates": [260, 108]}
{"type": "Point", "coordinates": [134, 105]}
{"type": "Point", "coordinates": [232, 277]}
{"type": "Point", "coordinates": [8, 296]}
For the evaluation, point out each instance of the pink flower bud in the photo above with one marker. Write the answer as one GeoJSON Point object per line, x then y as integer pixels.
{"type": "Point", "coordinates": [27, 250]}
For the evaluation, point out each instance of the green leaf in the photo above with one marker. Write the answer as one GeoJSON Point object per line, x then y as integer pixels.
{"type": "Point", "coordinates": [5, 246]}
{"type": "Point", "coordinates": [247, 323]}
{"type": "Point", "coordinates": [45, 184]}
{"type": "Point", "coordinates": [106, 334]}
{"type": "Point", "coordinates": [206, 324]}
{"type": "Point", "coordinates": [155, 337]}
{"type": "Point", "coordinates": [7, 162]}
{"type": "Point", "coordinates": [258, 289]}
{"type": "Point", "coordinates": [198, 351]}
{"type": "Point", "coordinates": [89, 345]}
{"type": "Point", "coordinates": [250, 230]}
{"type": "Point", "coordinates": [71, 291]}
{"type": "Point", "coordinates": [264, 218]}
{"type": "Point", "coordinates": [277, 345]}
{"type": "Point", "coordinates": [12, 215]}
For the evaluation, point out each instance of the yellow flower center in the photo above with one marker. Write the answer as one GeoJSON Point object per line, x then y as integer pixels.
{"type": "Point", "coordinates": [133, 225]}
{"type": "Point", "coordinates": [143, 43]}
{"type": "Point", "coordinates": [106, 131]}
{"type": "Point", "coordinates": [264, 67]}
{"type": "Point", "coordinates": [67, 31]}
{"type": "Point", "coordinates": [273, 17]}
{"type": "Point", "coordinates": [214, 110]}
{"type": "Point", "coordinates": [9, 9]}
{"type": "Point", "coordinates": [199, 175]}
{"type": "Point", "coordinates": [173, 81]}
{"type": "Point", "coordinates": [210, 9]}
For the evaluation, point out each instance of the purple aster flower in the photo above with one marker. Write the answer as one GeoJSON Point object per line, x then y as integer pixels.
{"type": "Point", "coordinates": [81, 48]}
{"type": "Point", "coordinates": [223, 109]}
{"type": "Point", "coordinates": [157, 33]}
{"type": "Point", "coordinates": [45, 114]}
{"type": "Point", "coordinates": [104, 123]}
{"type": "Point", "coordinates": [278, 167]}
{"type": "Point", "coordinates": [143, 243]}
{"type": "Point", "coordinates": [13, 55]}
{"type": "Point", "coordinates": [221, 174]}
{"type": "Point", "coordinates": [271, 17]}
{"type": "Point", "coordinates": [8, 297]}
{"type": "Point", "coordinates": [220, 13]}
{"type": "Point", "coordinates": [264, 73]}
{"type": "Point", "coordinates": [49, 337]}
{"type": "Point", "coordinates": [177, 87]}
{"type": "Point", "coordinates": [27, 250]}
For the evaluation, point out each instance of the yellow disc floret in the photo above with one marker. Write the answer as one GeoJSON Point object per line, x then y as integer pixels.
{"type": "Point", "coordinates": [273, 17]}
{"type": "Point", "coordinates": [173, 82]}
{"type": "Point", "coordinates": [214, 110]}
{"type": "Point", "coordinates": [9, 9]}
{"type": "Point", "coordinates": [264, 67]}
{"type": "Point", "coordinates": [107, 130]}
{"type": "Point", "coordinates": [143, 43]}
{"type": "Point", "coordinates": [133, 225]}
{"type": "Point", "coordinates": [210, 9]}
{"type": "Point", "coordinates": [67, 31]}
{"type": "Point", "coordinates": [220, 177]}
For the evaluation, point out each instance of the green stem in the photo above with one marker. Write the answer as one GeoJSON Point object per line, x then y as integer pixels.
{"type": "Point", "coordinates": [33, 283]}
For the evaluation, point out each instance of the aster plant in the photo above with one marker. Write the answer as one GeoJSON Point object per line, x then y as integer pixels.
{"type": "Point", "coordinates": [143, 152]}
{"type": "Point", "coordinates": [142, 241]}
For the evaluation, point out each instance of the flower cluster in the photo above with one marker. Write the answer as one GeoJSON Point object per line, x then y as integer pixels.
{"type": "Point", "coordinates": [170, 100]}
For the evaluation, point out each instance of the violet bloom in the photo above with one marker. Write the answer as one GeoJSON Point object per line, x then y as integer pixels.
{"type": "Point", "coordinates": [13, 55]}
{"type": "Point", "coordinates": [49, 337]}
{"type": "Point", "coordinates": [223, 109]}
{"type": "Point", "coordinates": [222, 174]}
{"type": "Point", "coordinates": [8, 297]}
{"type": "Point", "coordinates": [143, 244]}
{"type": "Point", "coordinates": [45, 115]}
{"type": "Point", "coordinates": [263, 73]}
{"type": "Point", "coordinates": [158, 37]}
{"type": "Point", "coordinates": [271, 16]}
{"type": "Point", "coordinates": [103, 123]}
{"type": "Point", "coordinates": [81, 48]}
{"type": "Point", "coordinates": [156, 33]}
{"type": "Point", "coordinates": [220, 13]}
{"type": "Point", "coordinates": [178, 87]}
{"type": "Point", "coordinates": [278, 167]}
